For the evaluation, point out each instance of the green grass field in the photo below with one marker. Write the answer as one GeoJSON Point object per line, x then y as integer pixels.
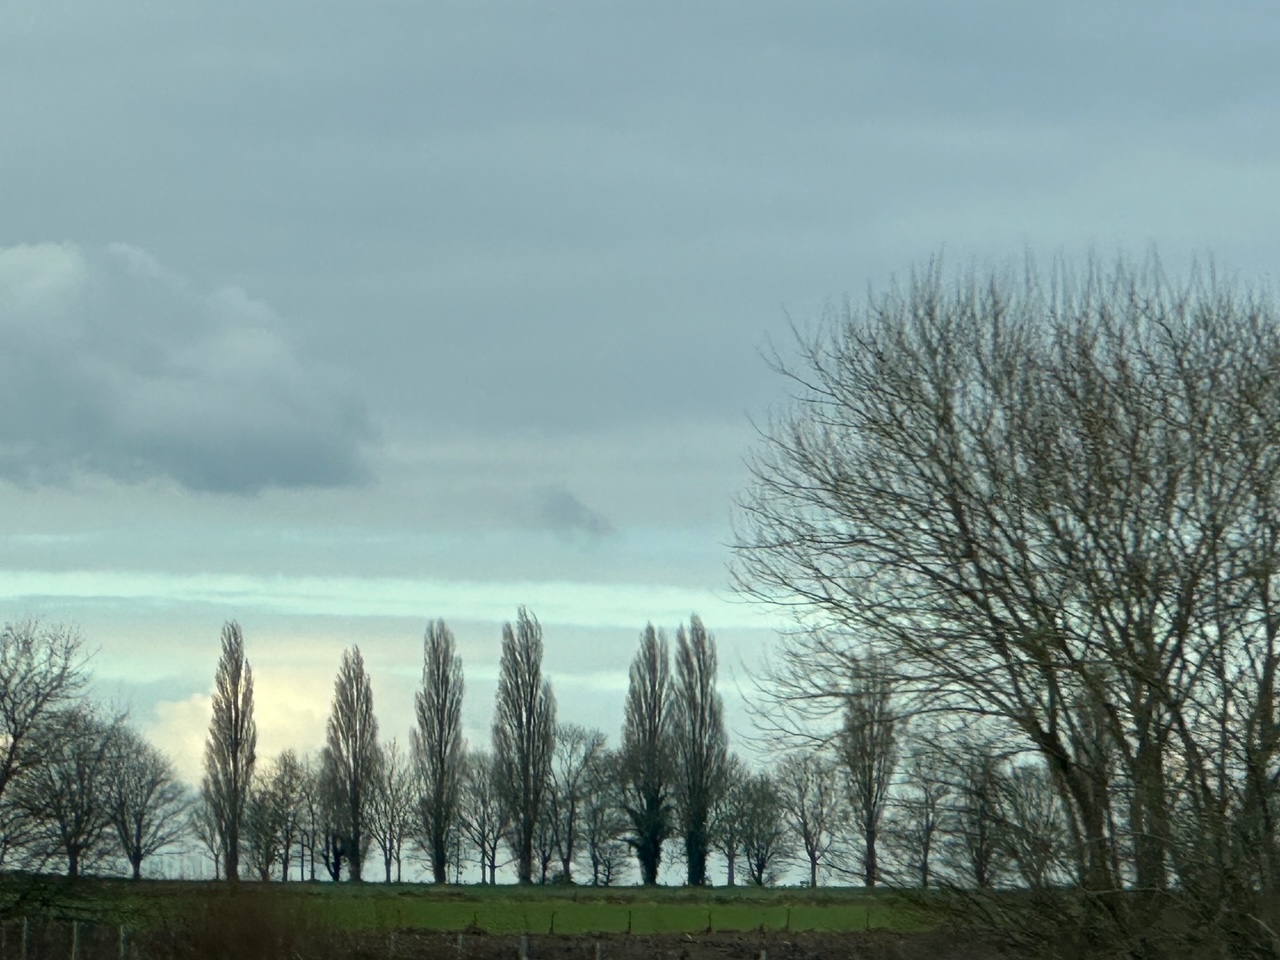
{"type": "Point", "coordinates": [496, 910]}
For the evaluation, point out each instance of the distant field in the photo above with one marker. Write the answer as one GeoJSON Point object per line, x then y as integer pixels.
{"type": "Point", "coordinates": [495, 910]}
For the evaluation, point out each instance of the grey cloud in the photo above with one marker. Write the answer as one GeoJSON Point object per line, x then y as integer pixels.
{"type": "Point", "coordinates": [560, 510]}
{"type": "Point", "coordinates": [111, 365]}
{"type": "Point", "coordinates": [588, 219]}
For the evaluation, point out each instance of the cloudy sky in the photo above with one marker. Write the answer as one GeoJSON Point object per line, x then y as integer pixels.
{"type": "Point", "coordinates": [333, 318]}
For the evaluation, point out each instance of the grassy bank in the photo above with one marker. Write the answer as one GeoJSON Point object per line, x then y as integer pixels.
{"type": "Point", "coordinates": [495, 910]}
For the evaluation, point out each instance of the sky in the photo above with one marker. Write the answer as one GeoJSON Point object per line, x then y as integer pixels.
{"type": "Point", "coordinates": [333, 319]}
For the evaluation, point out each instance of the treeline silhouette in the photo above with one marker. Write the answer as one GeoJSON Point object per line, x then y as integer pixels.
{"type": "Point", "coordinates": [870, 802]}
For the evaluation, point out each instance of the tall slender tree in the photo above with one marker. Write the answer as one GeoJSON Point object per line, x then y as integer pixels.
{"type": "Point", "coordinates": [700, 750]}
{"type": "Point", "coordinates": [351, 756]}
{"type": "Point", "coordinates": [437, 744]}
{"type": "Point", "coordinates": [645, 761]}
{"type": "Point", "coordinates": [229, 752]}
{"type": "Point", "coordinates": [523, 733]}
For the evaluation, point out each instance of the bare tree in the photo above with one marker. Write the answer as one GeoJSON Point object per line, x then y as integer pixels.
{"type": "Point", "coordinates": [351, 757]}
{"type": "Point", "coordinates": [149, 805]}
{"type": "Point", "coordinates": [728, 815]}
{"type": "Point", "coordinates": [311, 817]}
{"type": "Point", "coordinates": [809, 789]}
{"type": "Point", "coordinates": [229, 752]}
{"type": "Point", "coordinates": [523, 734]}
{"type": "Point", "coordinates": [604, 822]}
{"type": "Point", "coordinates": [42, 670]}
{"type": "Point", "coordinates": [977, 818]}
{"type": "Point", "coordinates": [274, 816]}
{"type": "Point", "coordinates": [1033, 827]}
{"type": "Point", "coordinates": [922, 806]}
{"type": "Point", "coordinates": [437, 743]}
{"type": "Point", "coordinates": [1055, 502]}
{"type": "Point", "coordinates": [868, 748]}
{"type": "Point", "coordinates": [203, 822]}
{"type": "Point", "coordinates": [395, 805]}
{"type": "Point", "coordinates": [646, 762]}
{"type": "Point", "coordinates": [68, 797]}
{"type": "Point", "coordinates": [577, 752]}
{"type": "Point", "coordinates": [485, 819]}
{"type": "Point", "coordinates": [288, 781]}
{"type": "Point", "coordinates": [265, 822]}
{"type": "Point", "coordinates": [766, 840]}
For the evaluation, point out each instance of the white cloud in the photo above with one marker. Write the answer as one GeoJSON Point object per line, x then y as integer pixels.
{"type": "Point", "coordinates": [179, 730]}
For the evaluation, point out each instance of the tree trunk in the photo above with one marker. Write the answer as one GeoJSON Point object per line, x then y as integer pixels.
{"type": "Point", "coordinates": [870, 866]}
{"type": "Point", "coordinates": [439, 860]}
{"type": "Point", "coordinates": [231, 868]}
{"type": "Point", "coordinates": [695, 848]}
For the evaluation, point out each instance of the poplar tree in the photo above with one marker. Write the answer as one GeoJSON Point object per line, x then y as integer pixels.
{"type": "Point", "coordinates": [229, 752]}
{"type": "Point", "coordinates": [523, 734]}
{"type": "Point", "coordinates": [351, 757]}
{"type": "Point", "coordinates": [700, 751]}
{"type": "Point", "coordinates": [645, 760]}
{"type": "Point", "coordinates": [437, 744]}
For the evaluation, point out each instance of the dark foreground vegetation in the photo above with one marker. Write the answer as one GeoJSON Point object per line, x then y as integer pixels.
{"type": "Point", "coordinates": [42, 918]}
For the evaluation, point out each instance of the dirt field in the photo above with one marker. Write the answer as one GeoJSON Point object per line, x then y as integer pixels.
{"type": "Point", "coordinates": [869, 945]}
{"type": "Point", "coordinates": [102, 943]}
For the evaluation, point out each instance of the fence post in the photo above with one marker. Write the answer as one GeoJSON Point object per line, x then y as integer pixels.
{"type": "Point", "coordinates": [524, 947]}
{"type": "Point", "coordinates": [75, 940]}
{"type": "Point", "coordinates": [25, 937]}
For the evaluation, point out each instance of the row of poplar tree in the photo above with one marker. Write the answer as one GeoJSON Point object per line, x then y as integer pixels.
{"type": "Point", "coordinates": [82, 791]}
{"type": "Point", "coordinates": [546, 796]}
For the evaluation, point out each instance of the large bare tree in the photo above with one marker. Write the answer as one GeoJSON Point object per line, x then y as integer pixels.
{"type": "Point", "coordinates": [69, 796]}
{"type": "Point", "coordinates": [524, 729]}
{"type": "Point", "coordinates": [646, 761]}
{"type": "Point", "coordinates": [230, 750]}
{"type": "Point", "coordinates": [148, 803]}
{"type": "Point", "coordinates": [351, 759]}
{"type": "Point", "coordinates": [1054, 502]}
{"type": "Point", "coordinates": [42, 669]}
{"type": "Point", "coordinates": [699, 740]}
{"type": "Point", "coordinates": [437, 744]}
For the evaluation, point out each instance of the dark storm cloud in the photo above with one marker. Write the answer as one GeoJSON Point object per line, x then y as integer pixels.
{"type": "Point", "coordinates": [111, 365]}
{"type": "Point", "coordinates": [560, 511]}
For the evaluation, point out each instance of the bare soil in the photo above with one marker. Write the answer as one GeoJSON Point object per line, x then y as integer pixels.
{"type": "Point", "coordinates": [772, 945]}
